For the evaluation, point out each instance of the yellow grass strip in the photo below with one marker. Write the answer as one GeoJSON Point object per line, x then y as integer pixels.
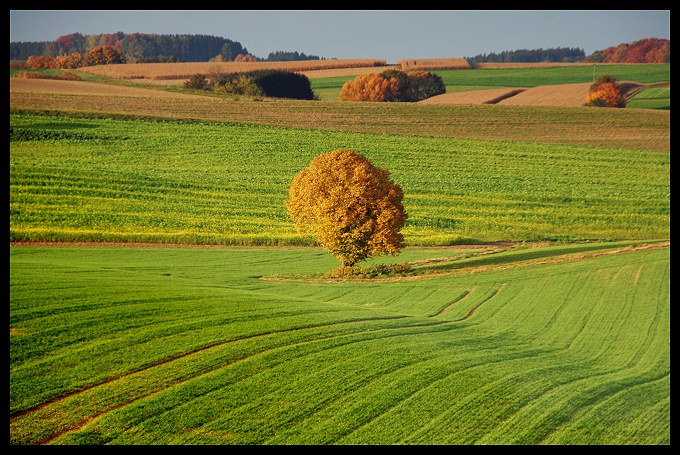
{"type": "Point", "coordinates": [433, 63]}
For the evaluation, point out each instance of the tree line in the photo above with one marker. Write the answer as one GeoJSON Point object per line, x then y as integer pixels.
{"type": "Point", "coordinates": [150, 48]}
{"type": "Point", "coordinates": [135, 47]}
{"type": "Point", "coordinates": [647, 50]}
{"type": "Point", "coordinates": [557, 54]}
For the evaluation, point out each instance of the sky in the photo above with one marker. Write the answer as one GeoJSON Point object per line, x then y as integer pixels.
{"type": "Point", "coordinates": [389, 35]}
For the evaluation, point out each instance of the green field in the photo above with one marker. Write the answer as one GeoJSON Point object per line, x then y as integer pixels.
{"type": "Point", "coordinates": [86, 179]}
{"type": "Point", "coordinates": [187, 345]}
{"type": "Point", "coordinates": [652, 98]}
{"type": "Point", "coordinates": [533, 306]}
{"type": "Point", "coordinates": [462, 80]}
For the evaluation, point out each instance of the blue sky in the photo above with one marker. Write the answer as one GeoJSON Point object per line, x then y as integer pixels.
{"type": "Point", "coordinates": [381, 34]}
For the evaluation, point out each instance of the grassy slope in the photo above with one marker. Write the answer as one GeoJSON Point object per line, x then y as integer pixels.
{"type": "Point", "coordinates": [187, 345]}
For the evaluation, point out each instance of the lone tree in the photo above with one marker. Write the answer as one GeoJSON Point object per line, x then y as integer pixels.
{"type": "Point", "coordinates": [352, 207]}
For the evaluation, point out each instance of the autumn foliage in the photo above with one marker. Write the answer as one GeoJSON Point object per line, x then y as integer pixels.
{"type": "Point", "coordinates": [100, 55]}
{"type": "Point", "coordinates": [352, 207]}
{"type": "Point", "coordinates": [103, 55]}
{"type": "Point", "coordinates": [604, 92]}
{"type": "Point", "coordinates": [245, 58]}
{"type": "Point", "coordinates": [392, 85]}
{"type": "Point", "coordinates": [647, 50]}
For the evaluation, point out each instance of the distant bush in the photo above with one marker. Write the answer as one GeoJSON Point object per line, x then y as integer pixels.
{"type": "Point", "coordinates": [605, 92]}
{"type": "Point", "coordinates": [393, 85]}
{"type": "Point", "coordinates": [423, 85]}
{"type": "Point", "coordinates": [245, 58]}
{"type": "Point", "coordinates": [198, 82]}
{"type": "Point", "coordinates": [39, 62]}
{"type": "Point", "coordinates": [271, 83]}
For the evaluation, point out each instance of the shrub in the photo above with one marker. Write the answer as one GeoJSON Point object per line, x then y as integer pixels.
{"type": "Point", "coordinates": [369, 272]}
{"type": "Point", "coordinates": [71, 61]}
{"type": "Point", "coordinates": [245, 58]}
{"type": "Point", "coordinates": [39, 61]}
{"type": "Point", "coordinates": [272, 83]}
{"type": "Point", "coordinates": [423, 85]}
{"type": "Point", "coordinates": [198, 82]}
{"type": "Point", "coordinates": [352, 207]}
{"type": "Point", "coordinates": [605, 92]}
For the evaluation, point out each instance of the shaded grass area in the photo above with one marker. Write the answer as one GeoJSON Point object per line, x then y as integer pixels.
{"type": "Point", "coordinates": [189, 346]}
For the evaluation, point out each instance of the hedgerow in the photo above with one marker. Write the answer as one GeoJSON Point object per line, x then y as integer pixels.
{"type": "Point", "coordinates": [270, 83]}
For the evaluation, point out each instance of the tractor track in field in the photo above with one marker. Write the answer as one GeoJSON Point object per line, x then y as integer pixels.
{"type": "Point", "coordinates": [167, 360]}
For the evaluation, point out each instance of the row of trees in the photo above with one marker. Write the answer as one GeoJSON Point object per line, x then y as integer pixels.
{"type": "Point", "coordinates": [557, 54]}
{"type": "Point", "coordinates": [393, 85]}
{"type": "Point", "coordinates": [101, 55]}
{"type": "Point", "coordinates": [135, 46]}
{"type": "Point", "coordinates": [150, 47]}
{"type": "Point", "coordinates": [285, 56]}
{"type": "Point", "coordinates": [647, 50]}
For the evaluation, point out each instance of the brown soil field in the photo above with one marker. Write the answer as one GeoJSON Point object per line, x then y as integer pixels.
{"type": "Point", "coordinates": [551, 95]}
{"type": "Point", "coordinates": [469, 97]}
{"type": "Point", "coordinates": [618, 128]}
{"type": "Point", "coordinates": [188, 69]}
{"type": "Point", "coordinates": [547, 95]}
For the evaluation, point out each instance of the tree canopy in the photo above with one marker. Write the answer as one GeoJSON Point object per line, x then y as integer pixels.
{"type": "Point", "coordinates": [352, 207]}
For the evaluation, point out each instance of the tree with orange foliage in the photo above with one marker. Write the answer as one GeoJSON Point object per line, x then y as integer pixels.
{"type": "Point", "coordinates": [368, 87]}
{"type": "Point", "coordinates": [39, 61]}
{"type": "Point", "coordinates": [352, 207]}
{"type": "Point", "coordinates": [103, 55]}
{"type": "Point", "coordinates": [604, 92]}
{"type": "Point", "coordinates": [245, 58]}
{"type": "Point", "coordinates": [70, 61]}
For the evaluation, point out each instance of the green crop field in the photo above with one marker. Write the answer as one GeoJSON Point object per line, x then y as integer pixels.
{"type": "Point", "coordinates": [145, 181]}
{"type": "Point", "coordinates": [471, 79]}
{"type": "Point", "coordinates": [188, 345]}
{"type": "Point", "coordinates": [159, 293]}
{"type": "Point", "coordinates": [652, 98]}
